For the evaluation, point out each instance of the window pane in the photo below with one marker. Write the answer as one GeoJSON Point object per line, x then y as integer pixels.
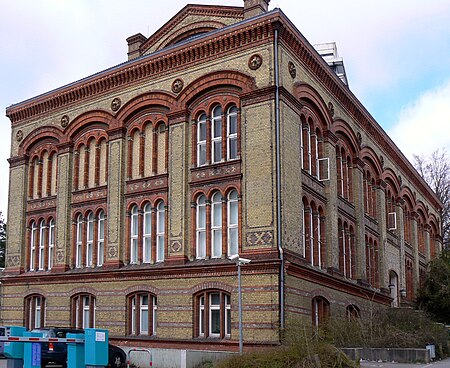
{"type": "Point", "coordinates": [232, 124]}
{"type": "Point", "coordinates": [217, 239]}
{"type": "Point", "coordinates": [201, 131]}
{"type": "Point", "coordinates": [215, 299]}
{"type": "Point", "coordinates": [202, 154]}
{"type": "Point", "coordinates": [201, 244]}
{"type": "Point", "coordinates": [233, 213]}
{"type": "Point", "coordinates": [233, 148]}
{"type": "Point", "coordinates": [233, 240]}
{"type": "Point", "coordinates": [217, 151]}
{"type": "Point", "coordinates": [215, 321]}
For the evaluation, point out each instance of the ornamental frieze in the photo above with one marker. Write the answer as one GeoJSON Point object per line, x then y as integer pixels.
{"type": "Point", "coordinates": [141, 185]}
{"type": "Point", "coordinates": [41, 204]}
{"type": "Point", "coordinates": [89, 195]}
{"type": "Point", "coordinates": [224, 170]}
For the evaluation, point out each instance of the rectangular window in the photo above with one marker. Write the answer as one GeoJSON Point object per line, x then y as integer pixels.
{"type": "Point", "coordinates": [37, 313]}
{"type": "Point", "coordinates": [201, 317]}
{"type": "Point", "coordinates": [134, 236]}
{"type": "Point", "coordinates": [201, 140]}
{"type": "Point", "coordinates": [90, 240]}
{"type": "Point", "coordinates": [147, 250]}
{"type": "Point", "coordinates": [33, 245]}
{"type": "Point", "coordinates": [144, 314]}
{"type": "Point", "coordinates": [232, 151]}
{"type": "Point", "coordinates": [51, 244]}
{"type": "Point", "coordinates": [160, 229]}
{"type": "Point", "coordinates": [101, 240]}
{"type": "Point", "coordinates": [201, 228]}
{"type": "Point", "coordinates": [79, 242]}
{"type": "Point", "coordinates": [41, 246]}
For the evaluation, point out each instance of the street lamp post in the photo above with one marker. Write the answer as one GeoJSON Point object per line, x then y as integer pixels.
{"type": "Point", "coordinates": [240, 261]}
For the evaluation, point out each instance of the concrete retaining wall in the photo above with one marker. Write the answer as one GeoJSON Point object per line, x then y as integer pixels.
{"type": "Point", "coordinates": [174, 358]}
{"type": "Point", "coordinates": [389, 355]}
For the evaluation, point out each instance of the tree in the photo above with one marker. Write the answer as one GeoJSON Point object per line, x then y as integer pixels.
{"type": "Point", "coordinates": [435, 170]}
{"type": "Point", "coordinates": [2, 240]}
{"type": "Point", "coordinates": [433, 295]}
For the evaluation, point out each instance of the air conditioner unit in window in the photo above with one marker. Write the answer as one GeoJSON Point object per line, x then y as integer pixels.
{"type": "Point", "coordinates": [324, 169]}
{"type": "Point", "coordinates": [392, 221]}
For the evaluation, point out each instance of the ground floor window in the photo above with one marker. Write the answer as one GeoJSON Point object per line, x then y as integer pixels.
{"type": "Point", "coordinates": [83, 311]}
{"type": "Point", "coordinates": [142, 312]}
{"type": "Point", "coordinates": [213, 316]}
{"type": "Point", "coordinates": [34, 311]}
{"type": "Point", "coordinates": [320, 311]}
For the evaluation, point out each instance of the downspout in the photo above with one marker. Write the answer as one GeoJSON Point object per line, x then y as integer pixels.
{"type": "Point", "coordinates": [278, 173]}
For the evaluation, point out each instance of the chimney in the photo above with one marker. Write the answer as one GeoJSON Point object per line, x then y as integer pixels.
{"type": "Point", "coordinates": [253, 8]}
{"type": "Point", "coordinates": [134, 44]}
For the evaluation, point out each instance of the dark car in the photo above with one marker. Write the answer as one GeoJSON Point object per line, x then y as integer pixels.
{"type": "Point", "coordinates": [56, 352]}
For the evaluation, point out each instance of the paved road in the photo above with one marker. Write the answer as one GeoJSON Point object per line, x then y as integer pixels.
{"type": "Point", "coordinates": [439, 364]}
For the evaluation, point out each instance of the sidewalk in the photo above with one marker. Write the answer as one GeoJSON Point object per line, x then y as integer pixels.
{"type": "Point", "coordinates": [438, 364]}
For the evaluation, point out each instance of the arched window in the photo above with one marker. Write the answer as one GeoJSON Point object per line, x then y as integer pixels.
{"type": "Point", "coordinates": [353, 313]}
{"type": "Point", "coordinates": [394, 288]}
{"type": "Point", "coordinates": [90, 239]}
{"type": "Point", "coordinates": [372, 261]}
{"type": "Point", "coordinates": [134, 234]}
{"type": "Point", "coordinates": [213, 314]}
{"type": "Point", "coordinates": [320, 311]}
{"type": "Point", "coordinates": [232, 131]}
{"type": "Point", "coordinates": [201, 227]}
{"type": "Point", "coordinates": [216, 225]}
{"type": "Point", "coordinates": [147, 234]}
{"type": "Point", "coordinates": [201, 140]}
{"type": "Point", "coordinates": [83, 311]}
{"type": "Point", "coordinates": [34, 311]}
{"type": "Point", "coordinates": [142, 313]}
{"type": "Point", "coordinates": [160, 231]}
{"type": "Point", "coordinates": [41, 260]}
{"type": "Point", "coordinates": [233, 223]}
{"type": "Point", "coordinates": [79, 241]}
{"type": "Point", "coordinates": [101, 239]}
{"type": "Point", "coordinates": [51, 243]}
{"type": "Point", "coordinates": [33, 240]}
{"type": "Point", "coordinates": [216, 131]}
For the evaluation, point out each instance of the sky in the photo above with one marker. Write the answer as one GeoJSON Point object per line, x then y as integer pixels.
{"type": "Point", "coordinates": [396, 55]}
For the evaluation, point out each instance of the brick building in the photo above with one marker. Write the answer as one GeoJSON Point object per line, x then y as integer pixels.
{"type": "Point", "coordinates": [224, 133]}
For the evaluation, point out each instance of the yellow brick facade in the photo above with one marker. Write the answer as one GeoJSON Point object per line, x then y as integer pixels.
{"type": "Point", "coordinates": [310, 220]}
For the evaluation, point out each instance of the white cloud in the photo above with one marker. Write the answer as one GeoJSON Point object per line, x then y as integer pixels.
{"type": "Point", "coordinates": [424, 125]}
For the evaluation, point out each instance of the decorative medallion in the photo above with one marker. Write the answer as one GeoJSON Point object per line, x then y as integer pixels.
{"type": "Point", "coordinates": [112, 251]}
{"type": "Point", "coordinates": [115, 104]}
{"type": "Point", "coordinates": [292, 69]}
{"type": "Point", "coordinates": [175, 246]}
{"type": "Point", "coordinates": [64, 121]}
{"type": "Point", "coordinates": [177, 85]}
{"type": "Point", "coordinates": [255, 62]}
{"type": "Point", "coordinates": [19, 135]}
{"type": "Point", "coordinates": [59, 256]}
{"type": "Point", "coordinates": [331, 108]}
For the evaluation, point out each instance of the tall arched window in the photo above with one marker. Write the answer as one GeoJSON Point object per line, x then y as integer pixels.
{"type": "Point", "coordinates": [201, 227]}
{"type": "Point", "coordinates": [41, 260]}
{"type": "Point", "coordinates": [90, 239]}
{"type": "Point", "coordinates": [134, 234]}
{"type": "Point", "coordinates": [201, 140]}
{"type": "Point", "coordinates": [147, 234]}
{"type": "Point", "coordinates": [216, 225]}
{"type": "Point", "coordinates": [232, 131]}
{"type": "Point", "coordinates": [216, 131]}
{"type": "Point", "coordinates": [142, 313]}
{"type": "Point", "coordinates": [79, 241]}
{"type": "Point", "coordinates": [160, 231]}
{"type": "Point", "coordinates": [233, 223]}
{"type": "Point", "coordinates": [51, 243]}
{"type": "Point", "coordinates": [101, 239]}
{"type": "Point", "coordinates": [33, 240]}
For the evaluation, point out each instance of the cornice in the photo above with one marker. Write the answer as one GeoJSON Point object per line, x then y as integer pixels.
{"type": "Point", "coordinates": [292, 39]}
{"type": "Point", "coordinates": [231, 40]}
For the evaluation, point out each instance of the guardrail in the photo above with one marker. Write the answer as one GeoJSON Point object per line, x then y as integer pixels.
{"type": "Point", "coordinates": [136, 350]}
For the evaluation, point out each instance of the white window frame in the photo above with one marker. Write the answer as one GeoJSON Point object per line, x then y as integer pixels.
{"type": "Point", "coordinates": [326, 162]}
{"type": "Point", "coordinates": [51, 243]}
{"type": "Point", "coordinates": [79, 241]}
{"type": "Point", "coordinates": [392, 220]}
{"type": "Point", "coordinates": [233, 249]}
{"type": "Point", "coordinates": [214, 307]}
{"type": "Point", "coordinates": [33, 244]}
{"type": "Point", "coordinates": [147, 234]}
{"type": "Point", "coordinates": [201, 230]}
{"type": "Point", "coordinates": [41, 255]}
{"type": "Point", "coordinates": [37, 312]}
{"type": "Point", "coordinates": [89, 239]}
{"type": "Point", "coordinates": [201, 316]}
{"type": "Point", "coordinates": [160, 231]}
{"type": "Point", "coordinates": [201, 143]}
{"type": "Point", "coordinates": [232, 113]}
{"type": "Point", "coordinates": [143, 309]}
{"type": "Point", "coordinates": [216, 140]}
{"type": "Point", "coordinates": [227, 313]}
{"type": "Point", "coordinates": [101, 238]}
{"type": "Point", "coordinates": [216, 205]}
{"type": "Point", "coordinates": [134, 231]}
